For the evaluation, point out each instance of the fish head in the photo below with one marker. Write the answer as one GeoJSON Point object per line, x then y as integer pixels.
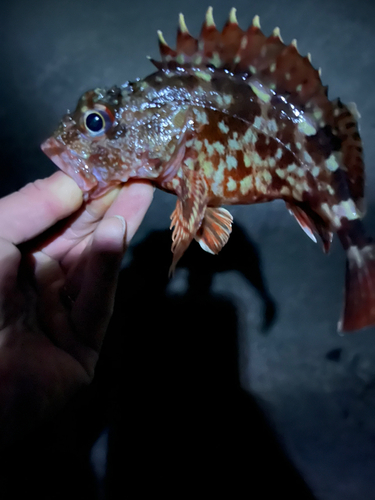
{"type": "Point", "coordinates": [103, 141]}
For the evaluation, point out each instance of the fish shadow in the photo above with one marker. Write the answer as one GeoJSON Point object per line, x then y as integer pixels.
{"type": "Point", "coordinates": [180, 417]}
{"type": "Point", "coordinates": [152, 257]}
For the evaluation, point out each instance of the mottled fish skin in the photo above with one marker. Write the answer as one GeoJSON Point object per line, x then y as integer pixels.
{"type": "Point", "coordinates": [233, 117]}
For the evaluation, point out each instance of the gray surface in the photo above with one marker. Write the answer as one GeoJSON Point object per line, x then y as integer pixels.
{"type": "Point", "coordinates": [316, 387]}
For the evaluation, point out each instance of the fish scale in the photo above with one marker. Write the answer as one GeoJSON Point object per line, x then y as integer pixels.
{"type": "Point", "coordinates": [230, 117]}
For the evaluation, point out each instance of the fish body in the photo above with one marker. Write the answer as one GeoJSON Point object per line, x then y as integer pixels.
{"type": "Point", "coordinates": [233, 117]}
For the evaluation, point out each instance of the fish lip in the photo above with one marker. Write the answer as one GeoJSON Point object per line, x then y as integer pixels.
{"type": "Point", "coordinates": [70, 163]}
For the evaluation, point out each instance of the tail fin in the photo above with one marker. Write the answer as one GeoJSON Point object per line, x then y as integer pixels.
{"type": "Point", "coordinates": [359, 310]}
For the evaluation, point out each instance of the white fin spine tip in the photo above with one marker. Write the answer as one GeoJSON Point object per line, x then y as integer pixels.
{"type": "Point", "coordinates": [161, 38]}
{"type": "Point", "coordinates": [256, 22]}
{"type": "Point", "coordinates": [309, 56]}
{"type": "Point", "coordinates": [209, 18]}
{"type": "Point", "coordinates": [182, 24]}
{"type": "Point", "coordinates": [352, 107]}
{"type": "Point", "coordinates": [232, 16]}
{"type": "Point", "coordinates": [276, 33]}
{"type": "Point", "coordinates": [294, 43]}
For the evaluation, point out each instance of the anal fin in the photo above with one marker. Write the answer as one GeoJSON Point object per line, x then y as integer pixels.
{"type": "Point", "coordinates": [311, 227]}
{"type": "Point", "coordinates": [303, 220]}
{"type": "Point", "coordinates": [215, 229]}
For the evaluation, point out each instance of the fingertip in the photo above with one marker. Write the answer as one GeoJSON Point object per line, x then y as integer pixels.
{"type": "Point", "coordinates": [110, 234]}
{"type": "Point", "coordinates": [144, 190]}
{"type": "Point", "coordinates": [123, 223]}
{"type": "Point", "coordinates": [132, 203]}
{"type": "Point", "coordinates": [133, 198]}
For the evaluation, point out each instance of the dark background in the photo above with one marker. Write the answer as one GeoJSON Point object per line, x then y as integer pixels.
{"type": "Point", "coordinates": [231, 374]}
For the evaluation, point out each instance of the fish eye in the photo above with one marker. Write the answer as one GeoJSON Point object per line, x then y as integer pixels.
{"type": "Point", "coordinates": [94, 122]}
{"type": "Point", "coordinates": [97, 122]}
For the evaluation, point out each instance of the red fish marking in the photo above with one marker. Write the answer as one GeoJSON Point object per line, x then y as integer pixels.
{"type": "Point", "coordinates": [232, 117]}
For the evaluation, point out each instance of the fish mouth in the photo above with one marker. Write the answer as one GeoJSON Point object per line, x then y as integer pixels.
{"type": "Point", "coordinates": [71, 164]}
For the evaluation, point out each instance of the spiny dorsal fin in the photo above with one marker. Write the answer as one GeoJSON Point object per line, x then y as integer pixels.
{"type": "Point", "coordinates": [245, 52]}
{"type": "Point", "coordinates": [251, 55]}
{"type": "Point", "coordinates": [166, 52]}
{"type": "Point", "coordinates": [186, 44]}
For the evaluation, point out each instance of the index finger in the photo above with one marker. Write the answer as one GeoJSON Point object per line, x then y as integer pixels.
{"type": "Point", "coordinates": [38, 206]}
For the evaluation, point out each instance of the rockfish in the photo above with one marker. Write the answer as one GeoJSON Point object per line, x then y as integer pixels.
{"type": "Point", "coordinates": [233, 117]}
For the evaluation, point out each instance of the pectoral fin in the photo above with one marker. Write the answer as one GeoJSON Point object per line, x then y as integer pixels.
{"type": "Point", "coordinates": [188, 214]}
{"type": "Point", "coordinates": [215, 229]}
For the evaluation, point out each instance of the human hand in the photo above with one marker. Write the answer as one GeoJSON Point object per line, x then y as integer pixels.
{"type": "Point", "coordinates": [57, 287]}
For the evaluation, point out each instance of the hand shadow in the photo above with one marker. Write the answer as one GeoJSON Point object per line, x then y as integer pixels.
{"type": "Point", "coordinates": [167, 389]}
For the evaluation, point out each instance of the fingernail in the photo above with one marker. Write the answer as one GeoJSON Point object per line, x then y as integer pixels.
{"type": "Point", "coordinates": [121, 218]}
